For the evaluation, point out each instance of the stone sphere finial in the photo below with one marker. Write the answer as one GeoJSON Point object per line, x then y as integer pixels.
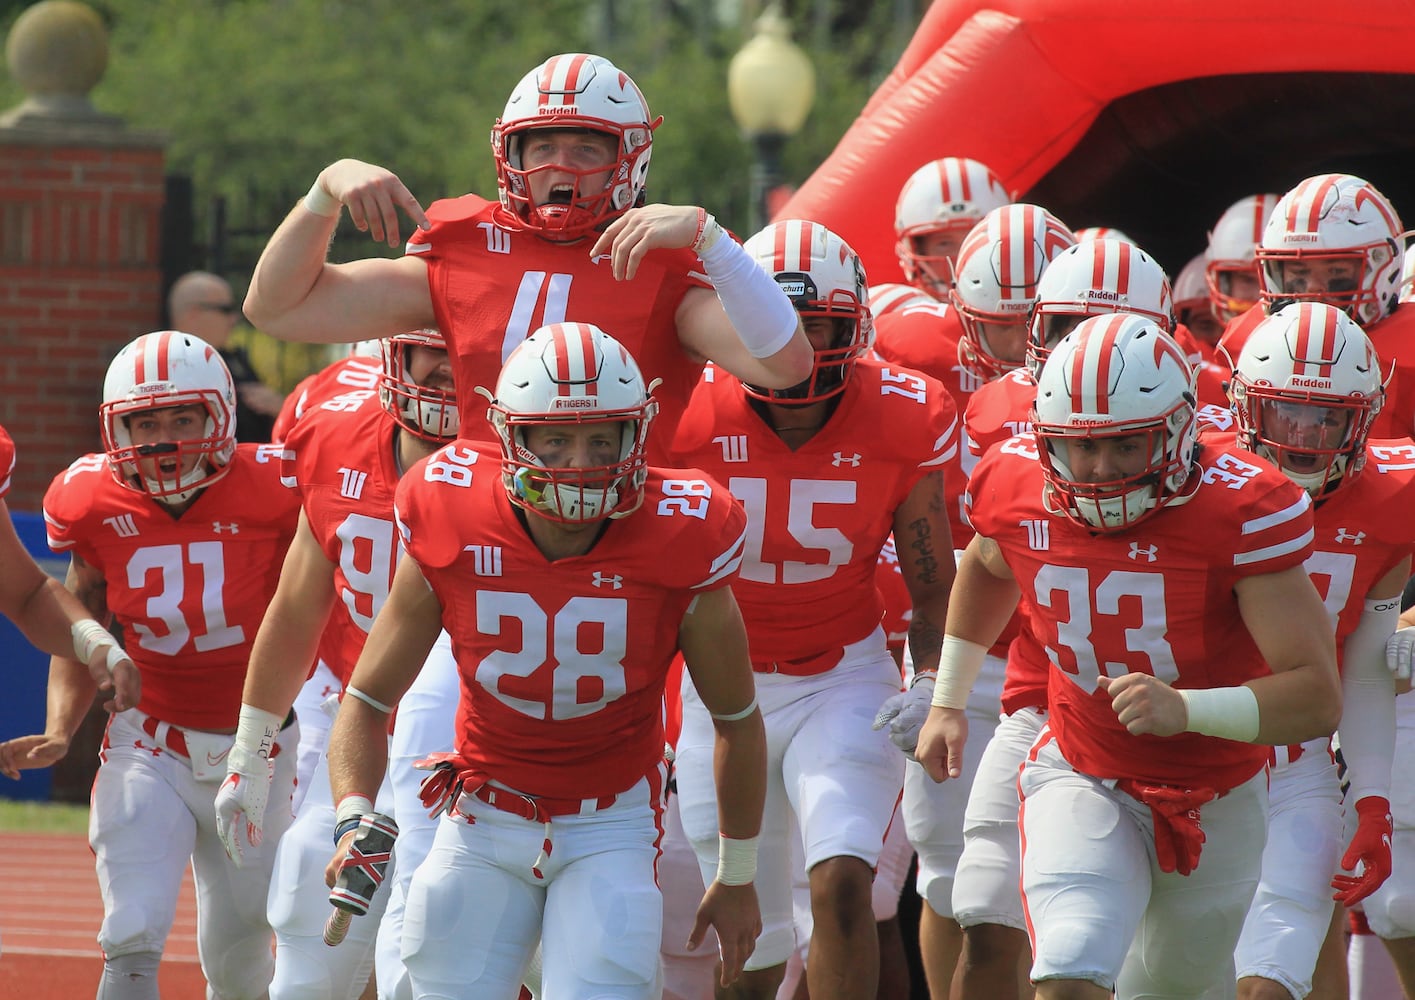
{"type": "Point", "coordinates": [57, 52]}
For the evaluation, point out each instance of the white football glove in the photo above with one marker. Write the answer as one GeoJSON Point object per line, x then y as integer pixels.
{"type": "Point", "coordinates": [904, 714]}
{"type": "Point", "coordinates": [240, 802]}
{"type": "Point", "coordinates": [1400, 652]}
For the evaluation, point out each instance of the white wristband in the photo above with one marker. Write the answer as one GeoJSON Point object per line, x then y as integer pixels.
{"type": "Point", "coordinates": [763, 316]}
{"type": "Point", "coordinates": [1228, 712]}
{"type": "Point", "coordinates": [368, 700]}
{"type": "Point", "coordinates": [736, 860]}
{"type": "Point", "coordinates": [959, 663]}
{"type": "Point", "coordinates": [352, 807]}
{"type": "Point", "coordinates": [321, 202]}
{"type": "Point", "coordinates": [89, 637]}
{"type": "Point", "coordinates": [256, 732]}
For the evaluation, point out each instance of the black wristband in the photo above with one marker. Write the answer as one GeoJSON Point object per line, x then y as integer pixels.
{"type": "Point", "coordinates": [345, 827]}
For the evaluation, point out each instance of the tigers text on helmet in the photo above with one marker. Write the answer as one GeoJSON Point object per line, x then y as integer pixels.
{"type": "Point", "coordinates": [159, 371]}
{"type": "Point", "coordinates": [947, 196]}
{"type": "Point", "coordinates": [1096, 278]}
{"type": "Point", "coordinates": [1115, 421]}
{"type": "Point", "coordinates": [1306, 390]}
{"type": "Point", "coordinates": [995, 283]}
{"type": "Point", "coordinates": [574, 91]}
{"type": "Point", "coordinates": [428, 412]}
{"type": "Point", "coordinates": [1335, 239]}
{"type": "Point", "coordinates": [1231, 266]}
{"type": "Point", "coordinates": [569, 375]}
{"type": "Point", "coordinates": [822, 277]}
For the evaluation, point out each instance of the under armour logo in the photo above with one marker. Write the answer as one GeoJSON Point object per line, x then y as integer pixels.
{"type": "Point", "coordinates": [598, 258]}
{"type": "Point", "coordinates": [1342, 535]}
{"type": "Point", "coordinates": [1038, 534]}
{"type": "Point", "coordinates": [123, 524]}
{"type": "Point", "coordinates": [1150, 552]}
{"type": "Point", "coordinates": [853, 461]}
{"type": "Point", "coordinates": [218, 527]}
{"type": "Point", "coordinates": [613, 582]}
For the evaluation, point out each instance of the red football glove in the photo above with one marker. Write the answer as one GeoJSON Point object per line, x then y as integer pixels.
{"type": "Point", "coordinates": [1175, 811]}
{"type": "Point", "coordinates": [439, 789]}
{"type": "Point", "coordinates": [1370, 847]}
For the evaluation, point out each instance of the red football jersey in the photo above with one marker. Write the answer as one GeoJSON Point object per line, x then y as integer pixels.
{"type": "Point", "coordinates": [1155, 599]}
{"type": "Point", "coordinates": [924, 336]}
{"type": "Point", "coordinates": [340, 458]}
{"type": "Point", "coordinates": [494, 283]}
{"type": "Point", "coordinates": [1394, 341]}
{"type": "Point", "coordinates": [189, 591]}
{"type": "Point", "coordinates": [563, 663]}
{"type": "Point", "coordinates": [997, 412]}
{"type": "Point", "coordinates": [7, 462]}
{"type": "Point", "coordinates": [355, 377]}
{"type": "Point", "coordinates": [898, 607]}
{"type": "Point", "coordinates": [818, 516]}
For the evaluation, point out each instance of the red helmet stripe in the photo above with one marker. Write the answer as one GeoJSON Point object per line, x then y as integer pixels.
{"type": "Point", "coordinates": [1305, 211]}
{"type": "Point", "coordinates": [1316, 340]}
{"type": "Point", "coordinates": [560, 80]}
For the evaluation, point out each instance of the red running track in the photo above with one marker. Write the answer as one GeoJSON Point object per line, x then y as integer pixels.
{"type": "Point", "coordinates": [50, 911]}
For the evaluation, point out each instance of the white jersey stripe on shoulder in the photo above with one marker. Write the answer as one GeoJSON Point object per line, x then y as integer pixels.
{"type": "Point", "coordinates": [1274, 551]}
{"type": "Point", "coordinates": [1294, 509]}
{"type": "Point", "coordinates": [726, 564]}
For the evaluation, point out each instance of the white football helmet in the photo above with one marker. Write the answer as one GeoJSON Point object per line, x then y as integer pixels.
{"type": "Point", "coordinates": [572, 373]}
{"type": "Point", "coordinates": [1096, 278]}
{"type": "Point", "coordinates": [1192, 306]}
{"type": "Point", "coordinates": [159, 371]}
{"type": "Point", "coordinates": [1326, 220]}
{"type": "Point", "coordinates": [582, 92]}
{"type": "Point", "coordinates": [950, 195]}
{"type": "Point", "coordinates": [995, 282]}
{"type": "Point", "coordinates": [1114, 377]}
{"type": "Point", "coordinates": [428, 412]}
{"type": "Point", "coordinates": [821, 276]}
{"type": "Point", "coordinates": [1231, 253]}
{"type": "Point", "coordinates": [1306, 389]}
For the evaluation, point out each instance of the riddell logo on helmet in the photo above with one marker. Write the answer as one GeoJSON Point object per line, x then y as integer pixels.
{"type": "Point", "coordinates": [559, 109]}
{"type": "Point", "coordinates": [1100, 295]}
{"type": "Point", "coordinates": [1308, 382]}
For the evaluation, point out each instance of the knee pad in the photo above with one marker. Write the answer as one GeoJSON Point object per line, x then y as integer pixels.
{"type": "Point", "coordinates": [126, 931]}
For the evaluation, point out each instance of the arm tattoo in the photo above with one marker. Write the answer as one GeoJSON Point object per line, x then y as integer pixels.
{"type": "Point", "coordinates": [922, 544]}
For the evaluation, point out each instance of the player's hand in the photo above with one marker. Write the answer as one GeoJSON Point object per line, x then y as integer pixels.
{"type": "Point", "coordinates": [341, 851]}
{"type": "Point", "coordinates": [1370, 848]}
{"type": "Point", "coordinates": [1145, 704]}
{"type": "Point", "coordinates": [732, 911]}
{"type": "Point", "coordinates": [240, 803]}
{"type": "Point", "coordinates": [26, 752]}
{"type": "Point", "coordinates": [113, 671]}
{"type": "Point", "coordinates": [654, 227]}
{"type": "Point", "coordinates": [904, 714]}
{"type": "Point", "coordinates": [1400, 654]}
{"type": "Point", "coordinates": [373, 195]}
{"type": "Point", "coordinates": [941, 742]}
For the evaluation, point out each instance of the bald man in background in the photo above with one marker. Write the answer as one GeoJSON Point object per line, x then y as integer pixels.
{"type": "Point", "coordinates": [203, 304]}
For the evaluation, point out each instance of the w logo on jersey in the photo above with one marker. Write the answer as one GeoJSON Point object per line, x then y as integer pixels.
{"type": "Point", "coordinates": [1150, 552]}
{"type": "Point", "coordinates": [498, 240]}
{"type": "Point", "coordinates": [351, 483]}
{"type": "Point", "coordinates": [123, 525]}
{"type": "Point", "coordinates": [486, 559]}
{"type": "Point", "coordinates": [613, 582]}
{"type": "Point", "coordinates": [734, 447]}
{"type": "Point", "coordinates": [1038, 534]}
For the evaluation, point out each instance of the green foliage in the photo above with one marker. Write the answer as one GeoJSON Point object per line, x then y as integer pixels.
{"type": "Point", "coordinates": [256, 96]}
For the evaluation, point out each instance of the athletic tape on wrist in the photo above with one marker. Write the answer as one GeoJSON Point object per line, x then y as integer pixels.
{"type": "Point", "coordinates": [321, 202]}
{"type": "Point", "coordinates": [959, 663]}
{"type": "Point", "coordinates": [736, 860]}
{"type": "Point", "coordinates": [256, 732]}
{"type": "Point", "coordinates": [88, 637]}
{"type": "Point", "coordinates": [1228, 712]}
{"type": "Point", "coordinates": [348, 812]}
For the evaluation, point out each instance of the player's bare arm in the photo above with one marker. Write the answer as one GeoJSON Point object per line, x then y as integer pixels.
{"type": "Point", "coordinates": [924, 543]}
{"type": "Point", "coordinates": [983, 598]}
{"type": "Point", "coordinates": [56, 621]}
{"type": "Point", "coordinates": [295, 294]}
{"type": "Point", "coordinates": [714, 643]}
{"type": "Point", "coordinates": [288, 640]}
{"type": "Point", "coordinates": [401, 638]}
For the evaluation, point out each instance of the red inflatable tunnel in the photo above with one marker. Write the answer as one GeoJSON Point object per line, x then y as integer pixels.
{"type": "Point", "coordinates": [1148, 117]}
